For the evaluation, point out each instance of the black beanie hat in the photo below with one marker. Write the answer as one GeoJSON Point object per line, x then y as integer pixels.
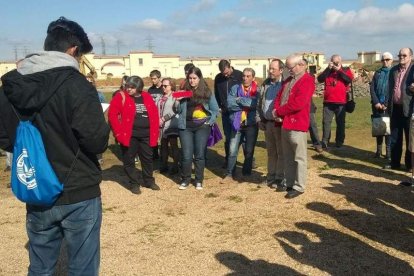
{"type": "Point", "coordinates": [75, 29]}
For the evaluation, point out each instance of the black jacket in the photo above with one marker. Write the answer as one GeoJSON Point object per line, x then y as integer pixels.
{"type": "Point", "coordinates": [222, 86]}
{"type": "Point", "coordinates": [70, 118]}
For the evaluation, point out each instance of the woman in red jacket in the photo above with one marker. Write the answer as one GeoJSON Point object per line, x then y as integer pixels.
{"type": "Point", "coordinates": [134, 120]}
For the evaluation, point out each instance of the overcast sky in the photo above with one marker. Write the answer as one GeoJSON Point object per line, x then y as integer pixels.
{"type": "Point", "coordinates": [215, 28]}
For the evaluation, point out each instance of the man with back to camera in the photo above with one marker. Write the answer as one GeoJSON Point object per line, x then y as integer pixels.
{"type": "Point", "coordinates": [400, 108]}
{"type": "Point", "coordinates": [223, 82]}
{"type": "Point", "coordinates": [272, 130]}
{"type": "Point", "coordinates": [74, 131]}
{"type": "Point", "coordinates": [336, 79]}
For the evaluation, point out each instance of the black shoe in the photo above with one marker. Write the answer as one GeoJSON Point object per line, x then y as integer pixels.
{"type": "Point", "coordinates": [174, 170]}
{"type": "Point", "coordinates": [392, 167]}
{"type": "Point", "coordinates": [324, 145]}
{"type": "Point", "coordinates": [406, 184]}
{"type": "Point", "coordinates": [338, 145]}
{"type": "Point", "coordinates": [135, 189]}
{"type": "Point", "coordinates": [153, 187]}
{"type": "Point", "coordinates": [164, 170]}
{"type": "Point", "coordinates": [293, 193]}
{"type": "Point", "coordinates": [281, 188]}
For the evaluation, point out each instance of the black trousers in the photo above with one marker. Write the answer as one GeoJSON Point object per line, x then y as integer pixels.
{"type": "Point", "coordinates": [400, 126]}
{"type": "Point", "coordinates": [141, 147]}
{"type": "Point", "coordinates": [175, 153]}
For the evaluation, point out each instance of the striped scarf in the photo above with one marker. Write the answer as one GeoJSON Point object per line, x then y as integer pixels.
{"type": "Point", "coordinates": [241, 116]}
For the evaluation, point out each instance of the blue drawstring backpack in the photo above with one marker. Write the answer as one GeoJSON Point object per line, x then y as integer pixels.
{"type": "Point", "coordinates": [33, 179]}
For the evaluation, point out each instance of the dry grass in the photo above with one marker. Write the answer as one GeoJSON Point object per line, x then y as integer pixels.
{"type": "Point", "coordinates": [353, 219]}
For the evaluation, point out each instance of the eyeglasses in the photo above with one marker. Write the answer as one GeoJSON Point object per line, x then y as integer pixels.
{"type": "Point", "coordinates": [291, 68]}
{"type": "Point", "coordinates": [386, 59]}
{"type": "Point", "coordinates": [402, 56]}
{"type": "Point", "coordinates": [165, 85]}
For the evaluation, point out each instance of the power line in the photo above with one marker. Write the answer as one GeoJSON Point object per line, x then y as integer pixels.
{"type": "Point", "coordinates": [103, 47]}
{"type": "Point", "coordinates": [150, 45]}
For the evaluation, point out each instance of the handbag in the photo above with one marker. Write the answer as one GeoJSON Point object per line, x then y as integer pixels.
{"type": "Point", "coordinates": [350, 103]}
{"type": "Point", "coordinates": [215, 135]}
{"type": "Point", "coordinates": [380, 125]}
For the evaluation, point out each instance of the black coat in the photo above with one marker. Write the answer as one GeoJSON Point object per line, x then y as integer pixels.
{"type": "Point", "coordinates": [69, 118]}
{"type": "Point", "coordinates": [222, 86]}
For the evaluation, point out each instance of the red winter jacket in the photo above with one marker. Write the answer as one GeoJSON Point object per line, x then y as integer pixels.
{"type": "Point", "coordinates": [121, 117]}
{"type": "Point", "coordinates": [336, 85]}
{"type": "Point", "coordinates": [295, 113]}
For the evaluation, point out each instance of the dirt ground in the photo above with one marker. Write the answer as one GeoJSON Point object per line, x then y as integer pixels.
{"type": "Point", "coordinates": [353, 219]}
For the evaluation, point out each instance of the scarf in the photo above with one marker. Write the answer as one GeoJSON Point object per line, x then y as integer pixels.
{"type": "Point", "coordinates": [241, 116]}
{"type": "Point", "coordinates": [381, 85]}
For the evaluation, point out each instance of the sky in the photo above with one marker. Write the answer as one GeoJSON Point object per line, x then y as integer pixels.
{"type": "Point", "coordinates": [215, 28]}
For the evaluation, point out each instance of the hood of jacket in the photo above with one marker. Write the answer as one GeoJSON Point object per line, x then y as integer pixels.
{"type": "Point", "coordinates": [37, 78]}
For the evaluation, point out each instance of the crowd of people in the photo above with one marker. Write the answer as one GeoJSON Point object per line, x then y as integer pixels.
{"type": "Point", "coordinates": [180, 118]}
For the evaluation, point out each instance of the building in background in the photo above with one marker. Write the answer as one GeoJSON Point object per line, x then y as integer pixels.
{"type": "Point", "coordinates": [140, 63]}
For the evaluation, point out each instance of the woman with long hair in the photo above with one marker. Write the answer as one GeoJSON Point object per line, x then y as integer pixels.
{"type": "Point", "coordinates": [196, 116]}
{"type": "Point", "coordinates": [134, 120]}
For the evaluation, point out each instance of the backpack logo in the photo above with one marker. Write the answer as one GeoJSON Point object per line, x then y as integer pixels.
{"type": "Point", "coordinates": [33, 179]}
{"type": "Point", "coordinates": [26, 172]}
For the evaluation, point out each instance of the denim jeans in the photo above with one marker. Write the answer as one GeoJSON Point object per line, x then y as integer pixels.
{"type": "Point", "coordinates": [227, 128]}
{"type": "Point", "coordinates": [79, 224]}
{"type": "Point", "coordinates": [193, 143]}
{"type": "Point", "coordinates": [329, 111]}
{"type": "Point", "coordinates": [249, 135]}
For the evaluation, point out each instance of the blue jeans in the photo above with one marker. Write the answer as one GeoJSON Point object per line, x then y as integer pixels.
{"type": "Point", "coordinates": [227, 128]}
{"type": "Point", "coordinates": [193, 143]}
{"type": "Point", "coordinates": [248, 134]}
{"type": "Point", "coordinates": [79, 224]}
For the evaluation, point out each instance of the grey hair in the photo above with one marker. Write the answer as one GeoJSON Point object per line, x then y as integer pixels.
{"type": "Point", "coordinates": [336, 55]}
{"type": "Point", "coordinates": [248, 69]}
{"type": "Point", "coordinates": [294, 58]}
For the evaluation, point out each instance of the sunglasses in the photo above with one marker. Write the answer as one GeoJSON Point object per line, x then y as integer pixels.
{"type": "Point", "coordinates": [165, 85]}
{"type": "Point", "coordinates": [400, 56]}
{"type": "Point", "coordinates": [386, 59]}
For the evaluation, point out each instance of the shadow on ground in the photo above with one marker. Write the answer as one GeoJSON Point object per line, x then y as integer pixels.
{"type": "Point", "coordinates": [241, 265]}
{"type": "Point", "coordinates": [388, 218]}
{"type": "Point", "coordinates": [338, 253]}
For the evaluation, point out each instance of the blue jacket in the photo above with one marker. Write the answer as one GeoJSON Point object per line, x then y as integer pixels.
{"type": "Point", "coordinates": [211, 107]}
{"type": "Point", "coordinates": [235, 105]}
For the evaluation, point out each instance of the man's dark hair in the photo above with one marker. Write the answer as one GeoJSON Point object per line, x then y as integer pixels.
{"type": "Point", "coordinates": [63, 34]}
{"type": "Point", "coordinates": [135, 82]}
{"type": "Point", "coordinates": [155, 73]}
{"type": "Point", "coordinates": [223, 64]}
{"type": "Point", "coordinates": [281, 64]}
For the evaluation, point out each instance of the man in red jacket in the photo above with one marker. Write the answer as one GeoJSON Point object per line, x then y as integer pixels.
{"type": "Point", "coordinates": [337, 80]}
{"type": "Point", "coordinates": [292, 107]}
